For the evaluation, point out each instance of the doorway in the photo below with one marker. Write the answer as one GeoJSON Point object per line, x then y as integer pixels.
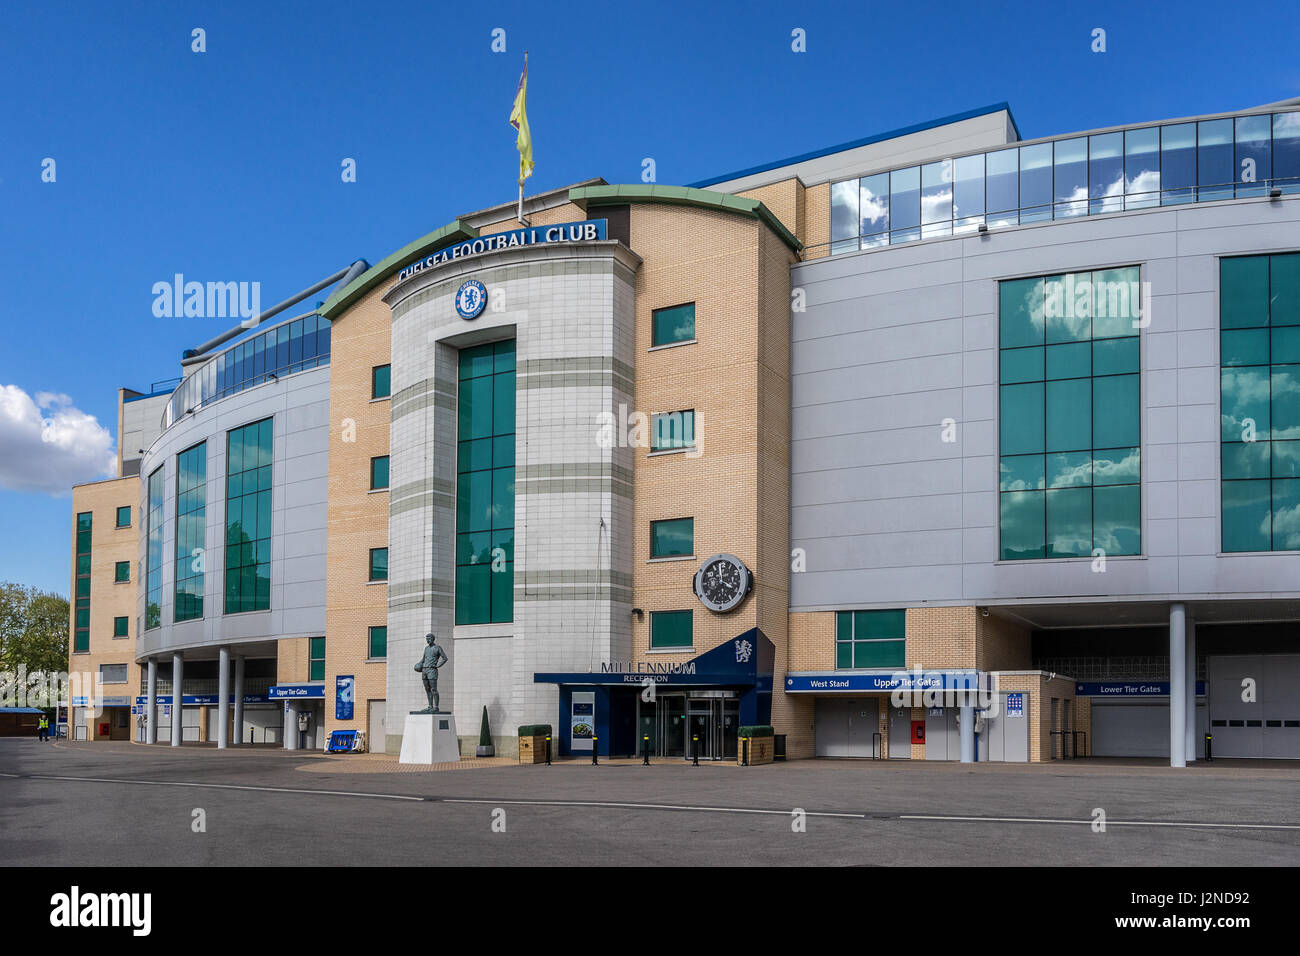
{"type": "Point", "coordinates": [713, 725]}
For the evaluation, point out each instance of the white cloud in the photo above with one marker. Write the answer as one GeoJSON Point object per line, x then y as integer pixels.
{"type": "Point", "coordinates": [48, 445]}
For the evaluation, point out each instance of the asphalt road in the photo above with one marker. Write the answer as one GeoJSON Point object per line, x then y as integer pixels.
{"type": "Point", "coordinates": [121, 804]}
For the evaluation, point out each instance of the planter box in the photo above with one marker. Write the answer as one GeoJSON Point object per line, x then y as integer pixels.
{"type": "Point", "coordinates": [760, 750]}
{"type": "Point", "coordinates": [533, 749]}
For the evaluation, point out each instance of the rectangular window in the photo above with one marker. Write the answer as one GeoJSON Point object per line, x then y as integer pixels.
{"type": "Point", "coordinates": [154, 551]}
{"type": "Point", "coordinates": [379, 473]}
{"type": "Point", "coordinates": [672, 538]}
{"type": "Point", "coordinates": [672, 430]}
{"type": "Point", "coordinates": [122, 571]}
{"type": "Point", "coordinates": [675, 324]}
{"type": "Point", "coordinates": [378, 564]}
{"type": "Point", "coordinates": [1259, 380]}
{"type": "Point", "coordinates": [671, 629]}
{"type": "Point", "coordinates": [1069, 415]}
{"type": "Point", "coordinates": [485, 484]}
{"type": "Point", "coordinates": [316, 658]}
{"type": "Point", "coordinates": [120, 627]}
{"type": "Point", "coordinates": [124, 516]}
{"type": "Point", "coordinates": [378, 644]}
{"type": "Point", "coordinates": [248, 517]}
{"type": "Point", "coordinates": [113, 673]}
{"type": "Point", "coordinates": [191, 527]}
{"type": "Point", "coordinates": [870, 639]}
{"type": "Point", "coordinates": [81, 598]}
{"type": "Point", "coordinates": [380, 381]}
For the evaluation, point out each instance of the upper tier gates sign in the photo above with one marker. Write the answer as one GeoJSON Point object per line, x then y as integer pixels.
{"type": "Point", "coordinates": [588, 230]}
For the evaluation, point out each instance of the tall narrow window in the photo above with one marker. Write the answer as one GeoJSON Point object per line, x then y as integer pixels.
{"type": "Point", "coordinates": [381, 381]}
{"type": "Point", "coordinates": [1259, 353]}
{"type": "Point", "coordinates": [316, 661]}
{"type": "Point", "coordinates": [81, 598]}
{"type": "Point", "coordinates": [379, 473]}
{"type": "Point", "coordinates": [154, 552]}
{"type": "Point", "coordinates": [191, 524]}
{"type": "Point", "coordinates": [378, 643]}
{"type": "Point", "coordinates": [485, 485]}
{"type": "Point", "coordinates": [248, 517]}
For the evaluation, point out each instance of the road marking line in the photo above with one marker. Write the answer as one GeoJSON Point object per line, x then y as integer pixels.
{"type": "Point", "coordinates": [645, 806]}
{"type": "Point", "coordinates": [222, 786]}
{"type": "Point", "coordinates": [1109, 823]}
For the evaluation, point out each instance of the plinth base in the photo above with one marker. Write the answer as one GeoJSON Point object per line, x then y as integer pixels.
{"type": "Point", "coordinates": [430, 738]}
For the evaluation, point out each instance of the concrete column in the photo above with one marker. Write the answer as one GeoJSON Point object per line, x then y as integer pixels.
{"type": "Point", "coordinates": [151, 704]}
{"type": "Point", "coordinates": [1191, 691]}
{"type": "Point", "coordinates": [967, 734]}
{"type": "Point", "coordinates": [1177, 685]}
{"type": "Point", "coordinates": [290, 725]}
{"type": "Point", "coordinates": [223, 698]}
{"type": "Point", "coordinates": [239, 699]}
{"type": "Point", "coordinates": [178, 678]}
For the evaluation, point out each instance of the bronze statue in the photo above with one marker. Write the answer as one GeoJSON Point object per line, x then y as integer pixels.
{"type": "Point", "coordinates": [428, 668]}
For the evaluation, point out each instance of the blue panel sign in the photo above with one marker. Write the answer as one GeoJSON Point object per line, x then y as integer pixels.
{"type": "Point", "coordinates": [589, 230]}
{"type": "Point", "coordinates": [345, 686]}
{"type": "Point", "coordinates": [881, 683]}
{"type": "Point", "coordinates": [1131, 688]}
{"type": "Point", "coordinates": [1015, 705]}
{"type": "Point", "coordinates": [204, 699]}
{"type": "Point", "coordinates": [296, 692]}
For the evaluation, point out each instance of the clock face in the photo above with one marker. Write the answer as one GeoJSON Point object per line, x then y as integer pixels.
{"type": "Point", "coordinates": [471, 297]}
{"type": "Point", "coordinates": [722, 582]}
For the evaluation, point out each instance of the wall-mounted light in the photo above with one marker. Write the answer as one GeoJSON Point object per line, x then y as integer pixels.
{"type": "Point", "coordinates": [640, 614]}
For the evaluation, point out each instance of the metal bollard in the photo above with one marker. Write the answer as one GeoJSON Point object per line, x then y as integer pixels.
{"type": "Point", "coordinates": [645, 758]}
{"type": "Point", "coordinates": [548, 750]}
{"type": "Point", "coordinates": [744, 751]}
{"type": "Point", "coordinates": [695, 749]}
{"type": "Point", "coordinates": [250, 736]}
{"type": "Point", "coordinates": [594, 747]}
{"type": "Point", "coordinates": [1209, 747]}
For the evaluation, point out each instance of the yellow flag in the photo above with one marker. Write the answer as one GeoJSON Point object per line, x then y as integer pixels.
{"type": "Point", "coordinates": [519, 120]}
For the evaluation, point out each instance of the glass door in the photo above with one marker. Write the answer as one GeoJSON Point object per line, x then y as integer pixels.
{"type": "Point", "coordinates": [670, 711]}
{"type": "Point", "coordinates": [701, 730]}
{"type": "Point", "coordinates": [728, 724]}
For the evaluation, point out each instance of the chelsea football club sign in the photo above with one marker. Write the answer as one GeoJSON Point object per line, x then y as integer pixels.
{"type": "Point", "coordinates": [589, 230]}
{"type": "Point", "coordinates": [471, 297]}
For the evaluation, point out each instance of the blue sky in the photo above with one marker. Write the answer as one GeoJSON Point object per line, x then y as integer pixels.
{"type": "Point", "coordinates": [225, 165]}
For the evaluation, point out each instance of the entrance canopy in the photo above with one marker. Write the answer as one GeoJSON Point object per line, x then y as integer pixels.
{"type": "Point", "coordinates": [745, 661]}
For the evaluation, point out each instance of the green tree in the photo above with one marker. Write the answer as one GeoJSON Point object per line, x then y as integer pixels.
{"type": "Point", "coordinates": [34, 629]}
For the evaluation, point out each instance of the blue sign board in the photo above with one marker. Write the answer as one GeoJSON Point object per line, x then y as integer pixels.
{"type": "Point", "coordinates": [882, 683]}
{"type": "Point", "coordinates": [1130, 688]}
{"type": "Point", "coordinates": [204, 699]}
{"type": "Point", "coordinates": [1015, 705]}
{"type": "Point", "coordinates": [589, 230]}
{"type": "Point", "coordinates": [296, 691]}
{"type": "Point", "coordinates": [345, 686]}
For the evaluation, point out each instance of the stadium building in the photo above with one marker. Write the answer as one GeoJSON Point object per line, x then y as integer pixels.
{"type": "Point", "coordinates": [939, 409]}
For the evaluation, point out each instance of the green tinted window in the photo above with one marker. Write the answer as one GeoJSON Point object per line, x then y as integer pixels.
{"type": "Point", "coordinates": [485, 484]}
{"type": "Point", "coordinates": [1259, 401]}
{"type": "Point", "coordinates": [379, 473]}
{"type": "Point", "coordinates": [870, 639]}
{"type": "Point", "coordinates": [378, 644]}
{"type": "Point", "coordinates": [81, 591]}
{"type": "Point", "coordinates": [316, 661]}
{"type": "Point", "coordinates": [671, 629]}
{"type": "Point", "coordinates": [191, 531]}
{"type": "Point", "coordinates": [248, 517]}
{"type": "Point", "coordinates": [378, 564]}
{"type": "Point", "coordinates": [672, 430]}
{"type": "Point", "coordinates": [672, 538]}
{"type": "Point", "coordinates": [122, 571]}
{"type": "Point", "coordinates": [676, 324]}
{"type": "Point", "coordinates": [1074, 427]}
{"type": "Point", "coordinates": [124, 516]}
{"type": "Point", "coordinates": [381, 381]}
{"type": "Point", "coordinates": [120, 626]}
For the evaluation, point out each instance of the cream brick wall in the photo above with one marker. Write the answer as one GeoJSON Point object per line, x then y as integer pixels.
{"type": "Point", "coordinates": [108, 598]}
{"type": "Point", "coordinates": [1002, 644]}
{"type": "Point", "coordinates": [358, 517]}
{"type": "Point", "coordinates": [817, 216]}
{"type": "Point", "coordinates": [1039, 692]}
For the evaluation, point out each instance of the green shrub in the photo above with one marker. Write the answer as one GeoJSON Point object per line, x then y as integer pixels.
{"type": "Point", "coordinates": [755, 730]}
{"type": "Point", "coordinates": [534, 730]}
{"type": "Point", "coordinates": [484, 733]}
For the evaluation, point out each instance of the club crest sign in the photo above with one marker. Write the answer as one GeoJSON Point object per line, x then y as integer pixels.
{"type": "Point", "coordinates": [471, 299]}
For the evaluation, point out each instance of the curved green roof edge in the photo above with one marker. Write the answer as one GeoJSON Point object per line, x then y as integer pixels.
{"type": "Point", "coordinates": [454, 231]}
{"type": "Point", "coordinates": [585, 196]}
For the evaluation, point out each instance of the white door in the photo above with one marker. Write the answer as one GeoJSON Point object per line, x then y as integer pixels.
{"type": "Point", "coordinates": [1255, 705]}
{"type": "Point", "coordinates": [377, 726]}
{"type": "Point", "coordinates": [900, 733]}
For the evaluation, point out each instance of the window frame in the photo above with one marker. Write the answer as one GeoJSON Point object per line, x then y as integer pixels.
{"type": "Point", "coordinates": [374, 379]}
{"type": "Point", "coordinates": [120, 509]}
{"type": "Point", "coordinates": [668, 521]}
{"type": "Point", "coordinates": [661, 615]}
{"type": "Point", "coordinates": [654, 325]}
{"type": "Point", "coordinates": [370, 642]}
{"type": "Point", "coordinates": [387, 475]}
{"type": "Point", "coordinates": [371, 570]}
{"type": "Point", "coordinates": [117, 572]}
